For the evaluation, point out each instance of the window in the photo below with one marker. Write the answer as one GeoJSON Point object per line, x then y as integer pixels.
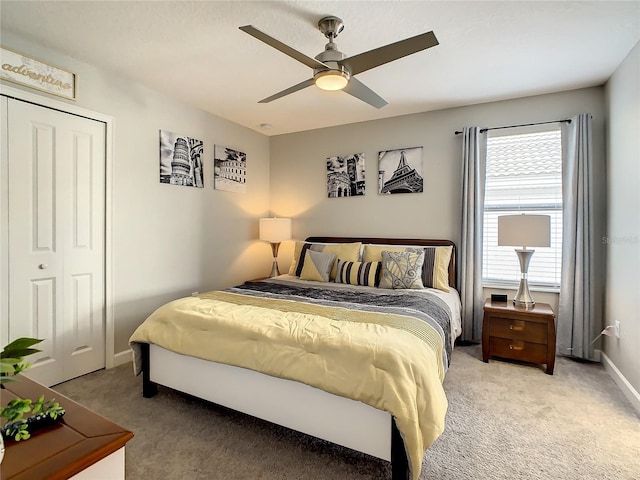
{"type": "Point", "coordinates": [524, 175]}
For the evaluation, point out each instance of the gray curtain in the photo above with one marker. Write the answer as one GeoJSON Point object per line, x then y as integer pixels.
{"type": "Point", "coordinates": [579, 320]}
{"type": "Point", "coordinates": [470, 258]}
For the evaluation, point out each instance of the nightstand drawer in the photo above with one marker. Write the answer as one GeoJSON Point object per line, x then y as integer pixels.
{"type": "Point", "coordinates": [518, 350]}
{"type": "Point", "coordinates": [518, 329]}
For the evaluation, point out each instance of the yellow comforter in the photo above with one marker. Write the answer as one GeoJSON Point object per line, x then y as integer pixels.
{"type": "Point", "coordinates": [391, 362]}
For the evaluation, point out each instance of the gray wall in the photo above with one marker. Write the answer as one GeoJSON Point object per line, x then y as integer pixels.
{"type": "Point", "coordinates": [298, 169]}
{"type": "Point", "coordinates": [622, 241]}
{"type": "Point", "coordinates": [169, 241]}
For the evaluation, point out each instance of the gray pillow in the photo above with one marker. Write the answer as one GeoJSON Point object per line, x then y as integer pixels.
{"type": "Point", "coordinates": [402, 269]}
{"type": "Point", "coordinates": [317, 266]}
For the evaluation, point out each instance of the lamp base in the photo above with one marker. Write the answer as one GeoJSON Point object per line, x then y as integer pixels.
{"type": "Point", "coordinates": [275, 271]}
{"type": "Point", "coordinates": [523, 297]}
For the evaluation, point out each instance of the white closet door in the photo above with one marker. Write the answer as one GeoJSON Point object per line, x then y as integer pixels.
{"type": "Point", "coordinates": [56, 214]}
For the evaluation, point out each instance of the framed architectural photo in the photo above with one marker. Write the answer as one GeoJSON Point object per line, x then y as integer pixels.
{"type": "Point", "coordinates": [229, 169]}
{"type": "Point", "coordinates": [400, 171]}
{"type": "Point", "coordinates": [345, 176]}
{"type": "Point", "coordinates": [27, 71]}
{"type": "Point", "coordinates": [180, 160]}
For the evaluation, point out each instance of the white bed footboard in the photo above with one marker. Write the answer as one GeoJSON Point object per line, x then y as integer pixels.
{"type": "Point", "coordinates": [291, 404]}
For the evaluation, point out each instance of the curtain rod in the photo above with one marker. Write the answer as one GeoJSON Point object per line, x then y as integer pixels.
{"type": "Point", "coordinates": [482, 130]}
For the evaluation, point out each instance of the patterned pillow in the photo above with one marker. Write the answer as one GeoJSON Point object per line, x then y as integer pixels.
{"type": "Point", "coordinates": [317, 266]}
{"type": "Point", "coordinates": [402, 270]}
{"type": "Point", "coordinates": [344, 251]}
{"type": "Point", "coordinates": [358, 273]}
{"type": "Point", "coordinates": [435, 271]}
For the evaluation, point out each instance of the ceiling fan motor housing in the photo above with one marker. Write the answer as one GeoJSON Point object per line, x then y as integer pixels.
{"type": "Point", "coordinates": [331, 26]}
{"type": "Point", "coordinates": [331, 56]}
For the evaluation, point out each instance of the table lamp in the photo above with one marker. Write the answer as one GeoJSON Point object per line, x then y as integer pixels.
{"type": "Point", "coordinates": [274, 231]}
{"type": "Point", "coordinates": [526, 231]}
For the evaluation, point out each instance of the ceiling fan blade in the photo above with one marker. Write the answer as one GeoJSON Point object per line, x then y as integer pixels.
{"type": "Point", "coordinates": [359, 90]}
{"type": "Point", "coordinates": [295, 88]}
{"type": "Point", "coordinates": [286, 49]}
{"type": "Point", "coordinates": [379, 56]}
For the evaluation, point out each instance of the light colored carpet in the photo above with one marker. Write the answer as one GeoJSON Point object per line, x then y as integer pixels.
{"type": "Point", "coordinates": [505, 421]}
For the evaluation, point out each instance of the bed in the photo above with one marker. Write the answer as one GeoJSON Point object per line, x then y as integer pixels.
{"type": "Point", "coordinates": [336, 348]}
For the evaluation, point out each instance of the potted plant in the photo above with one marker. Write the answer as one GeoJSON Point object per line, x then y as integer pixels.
{"type": "Point", "coordinates": [12, 416]}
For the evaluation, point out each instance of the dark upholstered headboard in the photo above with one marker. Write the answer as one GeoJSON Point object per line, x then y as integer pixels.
{"type": "Point", "coordinates": [399, 241]}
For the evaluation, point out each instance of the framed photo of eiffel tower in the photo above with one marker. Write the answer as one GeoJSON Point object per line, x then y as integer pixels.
{"type": "Point", "coordinates": [400, 171]}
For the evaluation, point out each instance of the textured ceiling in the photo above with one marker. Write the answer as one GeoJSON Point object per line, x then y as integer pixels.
{"type": "Point", "coordinates": [195, 52]}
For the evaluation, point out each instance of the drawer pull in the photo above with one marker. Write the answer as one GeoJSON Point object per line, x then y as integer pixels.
{"type": "Point", "coordinates": [517, 325]}
{"type": "Point", "coordinates": [516, 346]}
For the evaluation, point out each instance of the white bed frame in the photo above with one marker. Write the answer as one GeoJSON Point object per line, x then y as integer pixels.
{"type": "Point", "coordinates": [284, 402]}
{"type": "Point", "coordinates": [337, 419]}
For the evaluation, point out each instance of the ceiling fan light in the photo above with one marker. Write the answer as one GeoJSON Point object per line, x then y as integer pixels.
{"type": "Point", "coordinates": [331, 80]}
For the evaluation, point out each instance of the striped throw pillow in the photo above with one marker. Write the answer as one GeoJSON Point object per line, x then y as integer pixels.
{"type": "Point", "coordinates": [358, 273]}
{"type": "Point", "coordinates": [435, 271]}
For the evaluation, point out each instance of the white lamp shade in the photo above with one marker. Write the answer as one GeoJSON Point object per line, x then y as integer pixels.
{"type": "Point", "coordinates": [275, 230]}
{"type": "Point", "coordinates": [524, 230]}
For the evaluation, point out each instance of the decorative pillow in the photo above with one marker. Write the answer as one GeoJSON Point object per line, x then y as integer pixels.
{"type": "Point", "coordinates": [402, 270]}
{"type": "Point", "coordinates": [297, 248]}
{"type": "Point", "coordinates": [435, 271]}
{"type": "Point", "coordinates": [344, 251]}
{"type": "Point", "coordinates": [317, 266]}
{"type": "Point", "coordinates": [373, 253]}
{"type": "Point", "coordinates": [358, 273]}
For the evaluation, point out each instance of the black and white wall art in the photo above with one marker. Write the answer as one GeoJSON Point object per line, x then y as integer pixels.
{"type": "Point", "coordinates": [180, 160]}
{"type": "Point", "coordinates": [230, 169]}
{"type": "Point", "coordinates": [345, 176]}
{"type": "Point", "coordinates": [400, 170]}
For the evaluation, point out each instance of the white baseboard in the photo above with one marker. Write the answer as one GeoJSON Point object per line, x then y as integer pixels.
{"type": "Point", "coordinates": [628, 390]}
{"type": "Point", "coordinates": [121, 358]}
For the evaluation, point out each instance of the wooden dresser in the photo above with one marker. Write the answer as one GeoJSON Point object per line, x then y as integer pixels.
{"type": "Point", "coordinates": [519, 334]}
{"type": "Point", "coordinates": [84, 445]}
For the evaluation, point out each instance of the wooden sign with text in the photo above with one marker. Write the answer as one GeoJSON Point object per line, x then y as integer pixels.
{"type": "Point", "coordinates": [24, 70]}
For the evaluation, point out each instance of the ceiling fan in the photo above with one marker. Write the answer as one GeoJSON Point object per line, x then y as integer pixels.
{"type": "Point", "coordinates": [333, 71]}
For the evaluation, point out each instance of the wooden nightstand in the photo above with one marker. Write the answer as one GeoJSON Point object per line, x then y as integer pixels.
{"type": "Point", "coordinates": [519, 334]}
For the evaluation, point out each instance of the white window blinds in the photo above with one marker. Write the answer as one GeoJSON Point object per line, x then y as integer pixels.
{"type": "Point", "coordinates": [524, 175]}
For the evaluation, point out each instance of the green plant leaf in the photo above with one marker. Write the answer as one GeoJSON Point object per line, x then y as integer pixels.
{"type": "Point", "coordinates": [4, 379]}
{"type": "Point", "coordinates": [10, 361]}
{"type": "Point", "coordinates": [23, 342]}
{"type": "Point", "coordinates": [23, 352]}
{"type": "Point", "coordinates": [20, 347]}
{"type": "Point", "coordinates": [23, 433]}
{"type": "Point", "coordinates": [7, 368]}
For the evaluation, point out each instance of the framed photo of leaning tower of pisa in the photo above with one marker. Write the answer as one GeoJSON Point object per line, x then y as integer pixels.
{"type": "Point", "coordinates": [181, 160]}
